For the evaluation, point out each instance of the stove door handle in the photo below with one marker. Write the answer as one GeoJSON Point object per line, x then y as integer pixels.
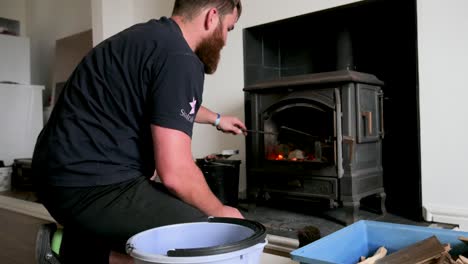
{"type": "Point", "coordinates": [368, 119]}
{"type": "Point", "coordinates": [381, 102]}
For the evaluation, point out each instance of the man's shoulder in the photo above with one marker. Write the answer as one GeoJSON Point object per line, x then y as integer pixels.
{"type": "Point", "coordinates": [161, 31]}
{"type": "Point", "coordinates": [170, 41]}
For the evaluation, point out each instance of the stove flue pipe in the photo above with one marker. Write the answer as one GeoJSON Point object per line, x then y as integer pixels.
{"type": "Point", "coordinates": [344, 50]}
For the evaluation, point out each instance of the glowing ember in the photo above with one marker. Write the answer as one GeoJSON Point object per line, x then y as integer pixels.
{"type": "Point", "coordinates": [288, 152]}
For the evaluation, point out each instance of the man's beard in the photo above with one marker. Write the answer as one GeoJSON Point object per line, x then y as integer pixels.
{"type": "Point", "coordinates": [209, 50]}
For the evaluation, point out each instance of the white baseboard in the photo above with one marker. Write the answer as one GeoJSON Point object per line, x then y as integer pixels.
{"type": "Point", "coordinates": [449, 215]}
{"type": "Point", "coordinates": [25, 207]}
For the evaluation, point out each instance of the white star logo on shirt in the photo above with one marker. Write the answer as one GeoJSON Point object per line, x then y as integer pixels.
{"type": "Point", "coordinates": [192, 104]}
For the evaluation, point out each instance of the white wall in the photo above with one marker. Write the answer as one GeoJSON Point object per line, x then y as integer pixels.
{"type": "Point", "coordinates": [443, 57]}
{"type": "Point", "coordinates": [112, 16]}
{"type": "Point", "coordinates": [51, 20]}
{"type": "Point", "coordinates": [15, 59]}
{"type": "Point", "coordinates": [16, 10]}
{"type": "Point", "coordinates": [144, 10]}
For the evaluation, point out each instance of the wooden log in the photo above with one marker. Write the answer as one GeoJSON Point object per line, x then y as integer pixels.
{"type": "Point", "coordinates": [447, 247]}
{"type": "Point", "coordinates": [463, 259]}
{"type": "Point", "coordinates": [418, 253]}
{"type": "Point", "coordinates": [380, 253]}
{"type": "Point", "coordinates": [446, 259]}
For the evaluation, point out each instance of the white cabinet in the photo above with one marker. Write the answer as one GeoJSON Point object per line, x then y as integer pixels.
{"type": "Point", "coordinates": [20, 120]}
{"type": "Point", "coordinates": [15, 59]}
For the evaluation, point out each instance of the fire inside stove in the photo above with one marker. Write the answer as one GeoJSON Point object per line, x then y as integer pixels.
{"type": "Point", "coordinates": [284, 153]}
{"type": "Point", "coordinates": [316, 151]}
{"type": "Point", "coordinates": [292, 140]}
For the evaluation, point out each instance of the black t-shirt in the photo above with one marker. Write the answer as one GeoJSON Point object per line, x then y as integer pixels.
{"type": "Point", "coordinates": [99, 131]}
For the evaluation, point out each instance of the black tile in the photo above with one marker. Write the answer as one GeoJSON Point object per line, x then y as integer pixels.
{"type": "Point", "coordinates": [271, 51]}
{"type": "Point", "coordinates": [252, 48]}
{"type": "Point", "coordinates": [257, 73]}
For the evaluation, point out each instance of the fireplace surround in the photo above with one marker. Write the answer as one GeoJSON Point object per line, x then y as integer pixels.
{"type": "Point", "coordinates": [377, 37]}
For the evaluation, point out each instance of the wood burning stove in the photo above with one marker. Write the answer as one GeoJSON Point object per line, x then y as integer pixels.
{"type": "Point", "coordinates": [323, 138]}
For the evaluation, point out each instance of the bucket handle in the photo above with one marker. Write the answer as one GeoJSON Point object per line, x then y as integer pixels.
{"type": "Point", "coordinates": [258, 237]}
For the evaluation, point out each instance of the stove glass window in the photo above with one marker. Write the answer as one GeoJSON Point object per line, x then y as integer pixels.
{"type": "Point", "coordinates": [300, 133]}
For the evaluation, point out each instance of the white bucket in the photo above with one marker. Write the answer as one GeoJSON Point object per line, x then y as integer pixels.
{"type": "Point", "coordinates": [218, 241]}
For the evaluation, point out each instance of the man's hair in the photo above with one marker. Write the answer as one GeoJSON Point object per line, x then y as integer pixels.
{"type": "Point", "coordinates": [191, 8]}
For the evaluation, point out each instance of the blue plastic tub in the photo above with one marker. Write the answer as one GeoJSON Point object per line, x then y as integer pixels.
{"type": "Point", "coordinates": [363, 238]}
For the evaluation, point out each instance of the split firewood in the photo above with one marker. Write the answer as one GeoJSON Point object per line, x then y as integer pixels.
{"type": "Point", "coordinates": [380, 253]}
{"type": "Point", "coordinates": [442, 260]}
{"type": "Point", "coordinates": [445, 258]}
{"type": "Point", "coordinates": [463, 239]}
{"type": "Point", "coordinates": [463, 259]}
{"type": "Point", "coordinates": [426, 251]}
{"type": "Point", "coordinates": [447, 247]}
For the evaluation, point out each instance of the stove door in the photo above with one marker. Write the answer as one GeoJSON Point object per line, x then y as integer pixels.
{"type": "Point", "coordinates": [369, 122]}
{"type": "Point", "coordinates": [300, 131]}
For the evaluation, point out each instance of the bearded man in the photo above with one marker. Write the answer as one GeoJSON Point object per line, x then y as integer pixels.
{"type": "Point", "coordinates": [126, 114]}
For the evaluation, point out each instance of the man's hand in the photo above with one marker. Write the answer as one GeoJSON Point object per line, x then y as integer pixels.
{"type": "Point", "coordinates": [231, 124]}
{"type": "Point", "coordinates": [227, 124]}
{"type": "Point", "coordinates": [228, 211]}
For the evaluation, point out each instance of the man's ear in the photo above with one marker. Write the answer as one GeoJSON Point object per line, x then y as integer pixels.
{"type": "Point", "coordinates": [211, 19]}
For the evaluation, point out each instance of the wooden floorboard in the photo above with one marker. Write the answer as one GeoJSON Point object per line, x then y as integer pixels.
{"type": "Point", "coordinates": [18, 237]}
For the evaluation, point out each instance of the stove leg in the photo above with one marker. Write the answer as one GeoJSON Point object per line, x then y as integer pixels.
{"type": "Point", "coordinates": [382, 197]}
{"type": "Point", "coordinates": [351, 211]}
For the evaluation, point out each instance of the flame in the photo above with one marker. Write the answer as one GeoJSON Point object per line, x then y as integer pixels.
{"type": "Point", "coordinates": [283, 156]}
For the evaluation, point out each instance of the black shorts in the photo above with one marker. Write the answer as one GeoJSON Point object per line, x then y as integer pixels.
{"type": "Point", "coordinates": [99, 219]}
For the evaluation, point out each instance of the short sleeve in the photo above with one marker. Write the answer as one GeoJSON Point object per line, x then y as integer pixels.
{"type": "Point", "coordinates": [177, 91]}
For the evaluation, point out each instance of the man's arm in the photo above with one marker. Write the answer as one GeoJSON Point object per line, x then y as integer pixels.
{"type": "Point", "coordinates": [205, 116]}
{"type": "Point", "coordinates": [227, 124]}
{"type": "Point", "coordinates": [179, 173]}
